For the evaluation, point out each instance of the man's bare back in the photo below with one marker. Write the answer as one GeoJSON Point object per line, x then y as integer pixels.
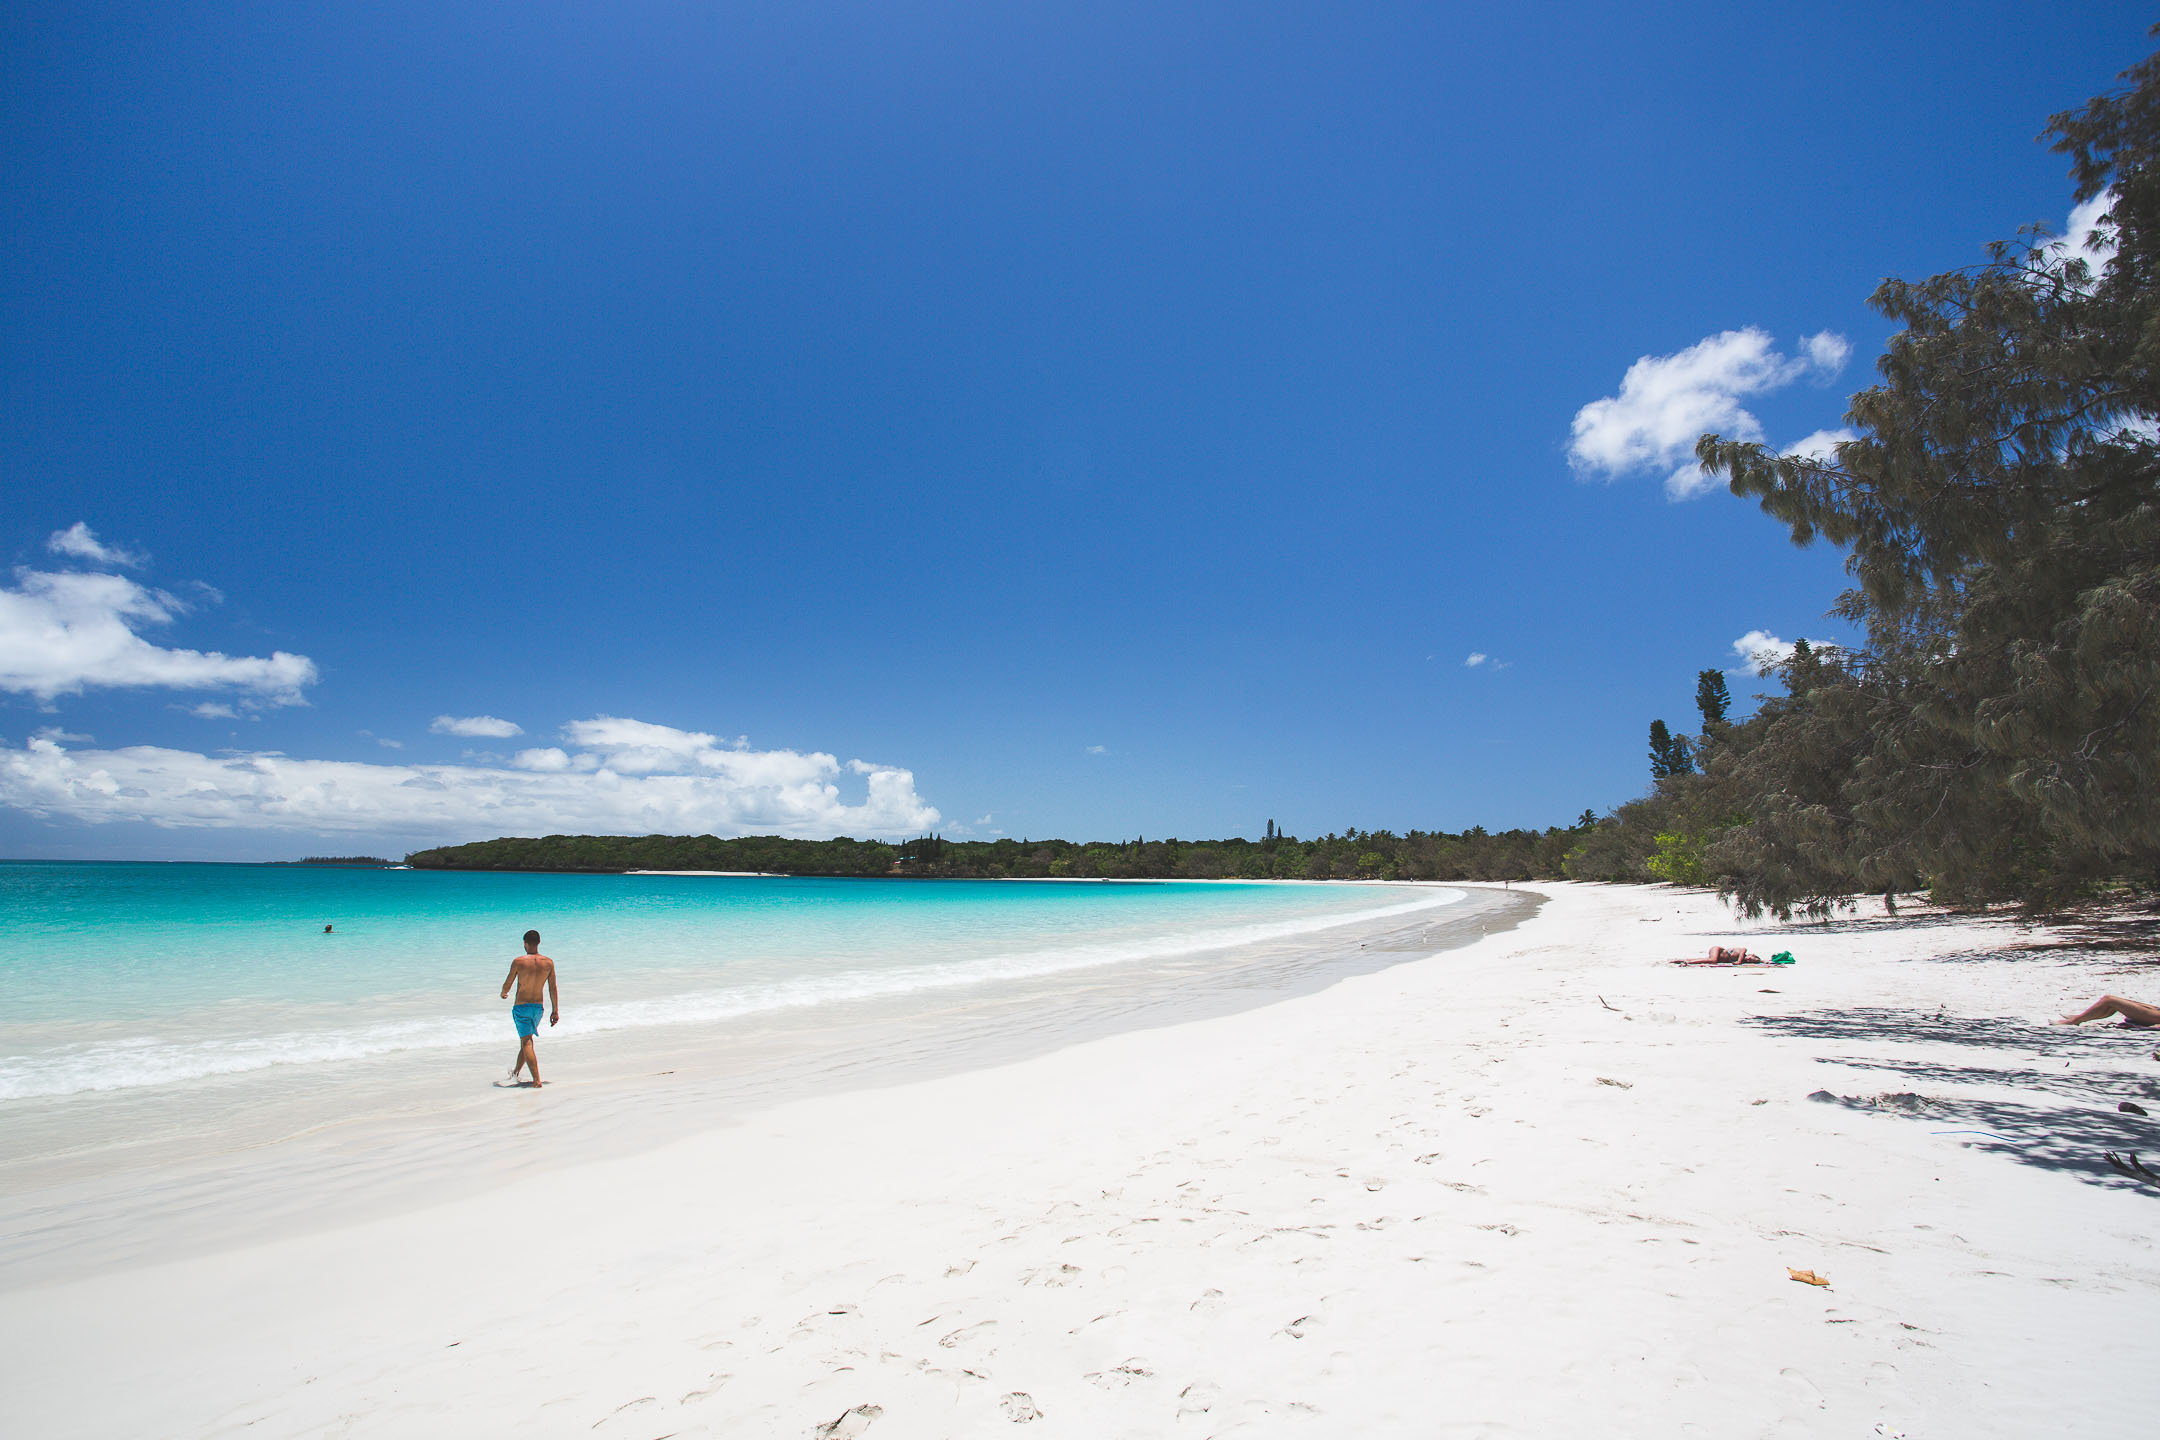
{"type": "Point", "coordinates": [534, 975]}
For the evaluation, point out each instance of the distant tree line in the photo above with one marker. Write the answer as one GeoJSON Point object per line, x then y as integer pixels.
{"type": "Point", "coordinates": [1354, 854]}
{"type": "Point", "coordinates": [1997, 734]}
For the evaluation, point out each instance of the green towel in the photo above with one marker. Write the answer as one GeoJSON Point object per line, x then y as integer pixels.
{"type": "Point", "coordinates": [1783, 957]}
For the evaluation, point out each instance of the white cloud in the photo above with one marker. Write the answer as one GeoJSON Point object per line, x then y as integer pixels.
{"type": "Point", "coordinates": [1098, 749]}
{"type": "Point", "coordinates": [706, 790]}
{"type": "Point", "coordinates": [62, 633]}
{"type": "Point", "coordinates": [54, 732]}
{"type": "Point", "coordinates": [1476, 658]}
{"type": "Point", "coordinates": [1826, 352]}
{"type": "Point", "coordinates": [637, 747]}
{"type": "Point", "coordinates": [388, 744]}
{"type": "Point", "coordinates": [1822, 445]}
{"type": "Point", "coordinates": [475, 726]}
{"type": "Point", "coordinates": [1667, 402]}
{"type": "Point", "coordinates": [1689, 481]}
{"type": "Point", "coordinates": [80, 542]}
{"type": "Point", "coordinates": [1761, 652]}
{"type": "Point", "coordinates": [2084, 238]}
{"type": "Point", "coordinates": [213, 710]}
{"type": "Point", "coordinates": [550, 758]}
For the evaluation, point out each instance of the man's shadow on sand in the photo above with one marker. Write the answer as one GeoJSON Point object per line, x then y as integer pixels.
{"type": "Point", "coordinates": [2069, 1126]}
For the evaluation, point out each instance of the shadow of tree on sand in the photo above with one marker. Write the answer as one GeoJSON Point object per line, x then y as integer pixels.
{"type": "Point", "coordinates": [1876, 924]}
{"type": "Point", "coordinates": [2069, 1132]}
{"type": "Point", "coordinates": [1938, 1027]}
{"type": "Point", "coordinates": [2073, 1139]}
{"type": "Point", "coordinates": [2110, 1086]}
{"type": "Point", "coordinates": [2012, 954]}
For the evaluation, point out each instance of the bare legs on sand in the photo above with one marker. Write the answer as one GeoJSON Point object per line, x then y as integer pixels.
{"type": "Point", "coordinates": [2134, 1012]}
{"type": "Point", "coordinates": [528, 1058]}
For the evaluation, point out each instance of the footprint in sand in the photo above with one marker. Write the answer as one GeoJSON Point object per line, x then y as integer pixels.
{"type": "Point", "coordinates": [638, 1404]}
{"type": "Point", "coordinates": [1299, 1328]}
{"type": "Point", "coordinates": [1106, 1315]}
{"type": "Point", "coordinates": [1803, 1385]}
{"type": "Point", "coordinates": [1197, 1398]}
{"type": "Point", "coordinates": [1209, 1300]}
{"type": "Point", "coordinates": [717, 1380]}
{"type": "Point", "coordinates": [850, 1424]}
{"type": "Point", "coordinates": [966, 1333]}
{"type": "Point", "coordinates": [1019, 1407]}
{"type": "Point", "coordinates": [1121, 1376]}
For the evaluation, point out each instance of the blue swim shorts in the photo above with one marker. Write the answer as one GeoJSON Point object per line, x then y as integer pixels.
{"type": "Point", "coordinates": [527, 1018]}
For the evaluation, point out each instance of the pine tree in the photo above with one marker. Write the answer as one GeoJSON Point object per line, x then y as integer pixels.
{"type": "Point", "coordinates": [1999, 732]}
{"type": "Point", "coordinates": [1714, 699]}
{"type": "Point", "coordinates": [1669, 753]}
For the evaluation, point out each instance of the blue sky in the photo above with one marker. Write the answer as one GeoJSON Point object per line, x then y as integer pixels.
{"type": "Point", "coordinates": [1093, 420]}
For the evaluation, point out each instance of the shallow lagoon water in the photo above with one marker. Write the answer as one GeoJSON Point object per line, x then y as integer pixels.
{"type": "Point", "coordinates": [129, 976]}
{"type": "Point", "coordinates": [190, 1062]}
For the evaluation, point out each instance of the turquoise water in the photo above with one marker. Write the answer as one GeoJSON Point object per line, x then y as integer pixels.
{"type": "Point", "coordinates": [122, 977]}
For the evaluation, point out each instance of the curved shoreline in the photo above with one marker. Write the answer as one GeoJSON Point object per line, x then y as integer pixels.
{"type": "Point", "coordinates": [439, 1132]}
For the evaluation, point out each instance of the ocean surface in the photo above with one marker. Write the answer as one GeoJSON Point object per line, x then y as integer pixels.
{"type": "Point", "coordinates": [125, 976]}
{"type": "Point", "coordinates": [187, 1060]}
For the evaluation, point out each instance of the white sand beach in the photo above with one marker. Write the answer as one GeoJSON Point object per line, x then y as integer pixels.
{"type": "Point", "coordinates": [1543, 1185]}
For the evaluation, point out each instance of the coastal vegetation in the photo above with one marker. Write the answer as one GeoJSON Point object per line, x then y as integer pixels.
{"type": "Point", "coordinates": [1996, 734]}
{"type": "Point", "coordinates": [1354, 854]}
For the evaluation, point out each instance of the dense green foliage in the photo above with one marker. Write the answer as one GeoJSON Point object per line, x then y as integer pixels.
{"type": "Point", "coordinates": [1352, 855]}
{"type": "Point", "coordinates": [361, 860]}
{"type": "Point", "coordinates": [1997, 736]}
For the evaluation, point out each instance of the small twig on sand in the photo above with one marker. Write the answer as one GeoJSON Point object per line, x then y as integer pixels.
{"type": "Point", "coordinates": [2132, 1167]}
{"type": "Point", "coordinates": [1614, 1008]}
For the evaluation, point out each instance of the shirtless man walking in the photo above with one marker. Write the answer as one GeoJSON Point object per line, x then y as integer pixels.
{"type": "Point", "coordinates": [531, 972]}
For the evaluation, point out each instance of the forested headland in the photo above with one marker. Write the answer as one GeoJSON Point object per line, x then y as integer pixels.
{"type": "Point", "coordinates": [1352, 855]}
{"type": "Point", "coordinates": [351, 862]}
{"type": "Point", "coordinates": [1996, 735]}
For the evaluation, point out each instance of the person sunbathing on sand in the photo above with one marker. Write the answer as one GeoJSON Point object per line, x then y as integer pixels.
{"type": "Point", "coordinates": [2136, 1013]}
{"type": "Point", "coordinates": [531, 972]}
{"type": "Point", "coordinates": [1723, 955]}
